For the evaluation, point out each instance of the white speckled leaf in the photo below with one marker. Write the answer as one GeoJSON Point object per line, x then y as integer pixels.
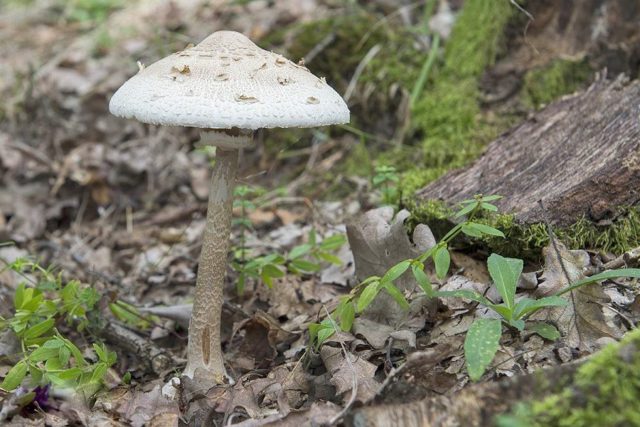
{"type": "Point", "coordinates": [481, 344]}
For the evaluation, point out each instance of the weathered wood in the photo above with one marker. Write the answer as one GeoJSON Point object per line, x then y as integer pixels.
{"type": "Point", "coordinates": [476, 405]}
{"type": "Point", "coordinates": [580, 156]}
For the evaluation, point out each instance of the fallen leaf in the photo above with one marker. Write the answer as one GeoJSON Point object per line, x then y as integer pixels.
{"type": "Point", "coordinates": [344, 374]}
{"type": "Point", "coordinates": [582, 322]}
{"type": "Point", "coordinates": [138, 407]}
{"type": "Point", "coordinates": [379, 241]}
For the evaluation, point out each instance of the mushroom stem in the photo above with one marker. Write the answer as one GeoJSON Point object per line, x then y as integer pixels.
{"type": "Point", "coordinates": [204, 353]}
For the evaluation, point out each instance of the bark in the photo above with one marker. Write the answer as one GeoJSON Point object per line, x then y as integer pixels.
{"type": "Point", "coordinates": [476, 405]}
{"type": "Point", "coordinates": [580, 156]}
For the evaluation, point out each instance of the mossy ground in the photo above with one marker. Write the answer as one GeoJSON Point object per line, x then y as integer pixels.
{"type": "Point", "coordinates": [560, 77]}
{"type": "Point", "coordinates": [448, 125]}
{"type": "Point", "coordinates": [448, 114]}
{"type": "Point", "coordinates": [526, 241]}
{"type": "Point", "coordinates": [604, 393]}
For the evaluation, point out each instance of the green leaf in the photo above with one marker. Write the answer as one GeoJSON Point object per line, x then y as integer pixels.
{"type": "Point", "coordinates": [470, 231]}
{"type": "Point", "coordinates": [442, 259]}
{"type": "Point", "coordinates": [63, 355]}
{"type": "Point", "coordinates": [333, 242]}
{"type": "Point", "coordinates": [98, 372]}
{"type": "Point", "coordinates": [396, 271]}
{"type": "Point", "coordinates": [53, 364]}
{"type": "Point", "coordinates": [324, 334]}
{"type": "Point", "coordinates": [298, 251]}
{"type": "Point", "coordinates": [53, 343]}
{"type": "Point", "coordinates": [70, 374]}
{"type": "Point", "coordinates": [14, 376]}
{"type": "Point", "coordinates": [272, 270]}
{"type": "Point", "coordinates": [503, 311]}
{"type": "Point", "coordinates": [326, 256]}
{"type": "Point", "coordinates": [505, 273]}
{"type": "Point", "coordinates": [422, 279]}
{"type": "Point", "coordinates": [517, 323]}
{"type": "Point", "coordinates": [490, 198]}
{"type": "Point", "coordinates": [609, 274]}
{"type": "Point", "coordinates": [347, 316]}
{"type": "Point", "coordinates": [466, 209]}
{"type": "Point", "coordinates": [484, 229]}
{"type": "Point", "coordinates": [480, 345]}
{"type": "Point", "coordinates": [304, 265]}
{"type": "Point", "coordinates": [75, 351]}
{"type": "Point", "coordinates": [489, 207]}
{"type": "Point", "coordinates": [267, 280]}
{"type": "Point", "coordinates": [545, 330]}
{"type": "Point", "coordinates": [41, 354]}
{"type": "Point", "coordinates": [527, 305]}
{"type": "Point", "coordinates": [396, 294]}
{"type": "Point", "coordinates": [367, 296]}
{"type": "Point", "coordinates": [39, 329]}
{"type": "Point", "coordinates": [19, 296]}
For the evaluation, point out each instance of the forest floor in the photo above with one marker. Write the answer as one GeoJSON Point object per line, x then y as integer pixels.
{"type": "Point", "coordinates": [120, 206]}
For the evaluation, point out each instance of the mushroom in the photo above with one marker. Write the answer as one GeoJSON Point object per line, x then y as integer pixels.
{"type": "Point", "coordinates": [227, 87]}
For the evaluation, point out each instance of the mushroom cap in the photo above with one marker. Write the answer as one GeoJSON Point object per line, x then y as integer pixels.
{"type": "Point", "coordinates": [227, 81]}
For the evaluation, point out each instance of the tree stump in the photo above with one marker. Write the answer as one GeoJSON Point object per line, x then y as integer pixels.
{"type": "Point", "coordinates": [580, 156]}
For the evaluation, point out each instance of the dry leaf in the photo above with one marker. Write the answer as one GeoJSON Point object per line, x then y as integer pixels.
{"type": "Point", "coordinates": [581, 322]}
{"type": "Point", "coordinates": [379, 241]}
{"type": "Point", "coordinates": [344, 374]}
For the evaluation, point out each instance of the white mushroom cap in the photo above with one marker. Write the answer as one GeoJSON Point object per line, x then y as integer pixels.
{"type": "Point", "coordinates": [227, 81]}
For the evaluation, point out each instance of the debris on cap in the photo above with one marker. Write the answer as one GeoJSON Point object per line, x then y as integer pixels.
{"type": "Point", "coordinates": [227, 81]}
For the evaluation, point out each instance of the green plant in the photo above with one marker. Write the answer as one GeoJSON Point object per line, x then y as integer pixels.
{"type": "Point", "coordinates": [362, 295]}
{"type": "Point", "coordinates": [242, 201]}
{"type": "Point", "coordinates": [47, 356]}
{"type": "Point", "coordinates": [482, 340]}
{"type": "Point", "coordinates": [91, 10]}
{"type": "Point", "coordinates": [386, 180]}
{"type": "Point", "coordinates": [483, 337]}
{"type": "Point", "coordinates": [306, 258]}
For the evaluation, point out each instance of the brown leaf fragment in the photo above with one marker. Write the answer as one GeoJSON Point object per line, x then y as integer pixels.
{"type": "Point", "coordinates": [138, 407]}
{"type": "Point", "coordinates": [582, 322]}
{"type": "Point", "coordinates": [379, 240]}
{"type": "Point", "coordinates": [345, 373]}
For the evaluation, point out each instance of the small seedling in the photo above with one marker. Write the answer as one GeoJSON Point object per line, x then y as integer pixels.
{"type": "Point", "coordinates": [302, 259]}
{"type": "Point", "coordinates": [362, 295]}
{"type": "Point", "coordinates": [47, 356]}
{"type": "Point", "coordinates": [386, 181]}
{"type": "Point", "coordinates": [482, 342]}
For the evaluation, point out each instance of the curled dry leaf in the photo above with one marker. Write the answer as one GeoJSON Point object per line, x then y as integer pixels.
{"type": "Point", "coordinates": [379, 241]}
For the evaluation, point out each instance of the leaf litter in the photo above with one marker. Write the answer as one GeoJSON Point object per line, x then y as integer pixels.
{"type": "Point", "coordinates": [121, 206]}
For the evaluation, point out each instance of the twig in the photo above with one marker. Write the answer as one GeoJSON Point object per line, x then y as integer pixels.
{"type": "Point", "coordinates": [526, 27]}
{"type": "Point", "coordinates": [359, 69]}
{"type": "Point", "coordinates": [158, 360]}
{"type": "Point", "coordinates": [623, 260]}
{"type": "Point", "coordinates": [326, 41]}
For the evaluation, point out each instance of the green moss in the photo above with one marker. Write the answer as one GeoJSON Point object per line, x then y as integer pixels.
{"type": "Point", "coordinates": [621, 235]}
{"type": "Point", "coordinates": [352, 35]}
{"type": "Point", "coordinates": [561, 77]}
{"type": "Point", "coordinates": [605, 392]}
{"type": "Point", "coordinates": [448, 114]}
